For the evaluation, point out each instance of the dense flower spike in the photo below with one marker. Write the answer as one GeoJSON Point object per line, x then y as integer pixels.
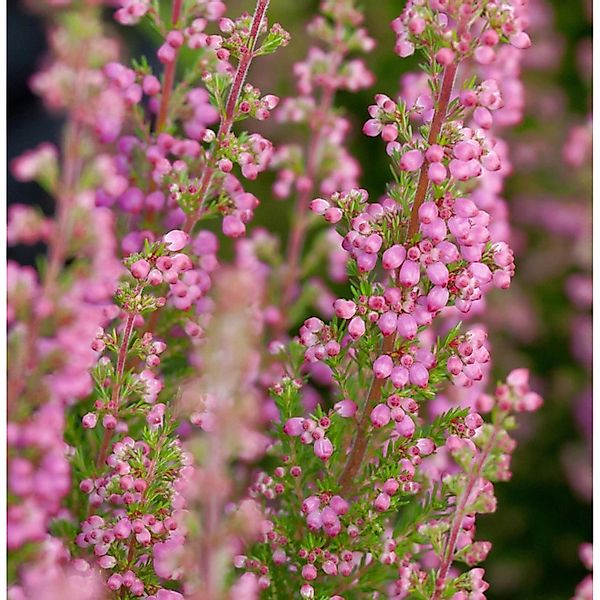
{"type": "Point", "coordinates": [449, 260]}
{"type": "Point", "coordinates": [54, 314]}
{"type": "Point", "coordinates": [161, 426]}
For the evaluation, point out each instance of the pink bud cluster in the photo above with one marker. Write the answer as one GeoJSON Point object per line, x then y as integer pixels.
{"type": "Point", "coordinates": [311, 432]}
{"type": "Point", "coordinates": [402, 310]}
{"type": "Point", "coordinates": [470, 151]}
{"type": "Point", "coordinates": [120, 495]}
{"type": "Point", "coordinates": [420, 21]}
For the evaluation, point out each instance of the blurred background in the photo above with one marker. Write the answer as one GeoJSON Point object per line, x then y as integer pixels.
{"type": "Point", "coordinates": [544, 322]}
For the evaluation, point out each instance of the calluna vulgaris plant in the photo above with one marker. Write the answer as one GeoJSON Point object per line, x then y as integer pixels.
{"type": "Point", "coordinates": [166, 439]}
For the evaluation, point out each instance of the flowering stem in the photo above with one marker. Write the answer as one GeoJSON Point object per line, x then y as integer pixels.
{"type": "Point", "coordinates": [71, 165]}
{"type": "Point", "coordinates": [149, 477]}
{"type": "Point", "coordinates": [299, 217]}
{"type": "Point", "coordinates": [169, 75]}
{"type": "Point", "coordinates": [116, 387]}
{"type": "Point", "coordinates": [459, 516]}
{"type": "Point", "coordinates": [361, 440]}
{"type": "Point", "coordinates": [247, 54]}
{"type": "Point", "coordinates": [436, 126]}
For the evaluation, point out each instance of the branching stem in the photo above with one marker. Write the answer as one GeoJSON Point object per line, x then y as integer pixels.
{"type": "Point", "coordinates": [459, 516]}
{"type": "Point", "coordinates": [230, 111]}
{"type": "Point", "coordinates": [434, 132]}
{"type": "Point", "coordinates": [115, 395]}
{"type": "Point", "coordinates": [361, 440]}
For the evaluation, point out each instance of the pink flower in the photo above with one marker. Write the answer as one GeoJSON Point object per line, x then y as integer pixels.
{"type": "Point", "coordinates": [140, 268]}
{"type": "Point", "coordinates": [444, 56]}
{"type": "Point", "coordinates": [380, 416]}
{"type": "Point", "coordinates": [387, 322]}
{"type": "Point", "coordinates": [382, 367]}
{"type": "Point", "coordinates": [314, 521]}
{"type": "Point", "coordinates": [372, 127]}
{"type": "Point", "coordinates": [319, 206]}
{"type": "Point", "coordinates": [410, 274]}
{"type": "Point", "coordinates": [89, 420]}
{"type": "Point", "coordinates": [339, 505]}
{"type": "Point", "coordinates": [323, 448]}
{"type": "Point", "coordinates": [346, 408]}
{"type": "Point", "coordinates": [520, 40]}
{"type": "Point", "coordinates": [345, 309]}
{"type": "Point", "coordinates": [176, 240]}
{"type": "Point", "coordinates": [309, 572]}
{"type": "Point", "coordinates": [436, 173]}
{"type": "Point", "coordinates": [411, 160]}
{"type": "Point", "coordinates": [418, 375]}
{"type": "Point", "coordinates": [122, 529]}
{"type": "Point", "coordinates": [356, 328]}
{"type": "Point", "coordinates": [114, 582]}
{"type": "Point", "coordinates": [437, 298]}
{"type": "Point", "coordinates": [233, 227]}
{"type": "Point", "coordinates": [382, 502]}
{"type": "Point", "coordinates": [390, 487]}
{"type": "Point", "coordinates": [437, 273]}
{"type": "Point", "coordinates": [406, 326]}
{"type": "Point", "coordinates": [393, 257]}
{"type": "Point", "coordinates": [293, 426]}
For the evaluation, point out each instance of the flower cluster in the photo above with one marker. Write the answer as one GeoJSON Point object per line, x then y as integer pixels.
{"type": "Point", "coordinates": [127, 537]}
{"type": "Point", "coordinates": [412, 257]}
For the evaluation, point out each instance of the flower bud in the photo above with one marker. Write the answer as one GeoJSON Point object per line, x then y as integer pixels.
{"type": "Point", "coordinates": [411, 160]}
{"type": "Point", "coordinates": [140, 268]}
{"type": "Point", "coordinates": [356, 328]}
{"type": "Point", "coordinates": [345, 309]}
{"type": "Point", "coordinates": [382, 367]}
{"type": "Point", "coordinates": [323, 448]}
{"type": "Point", "coordinates": [380, 416]}
{"type": "Point", "coordinates": [382, 502]}
{"type": "Point", "coordinates": [176, 240]}
{"type": "Point", "coordinates": [393, 257]}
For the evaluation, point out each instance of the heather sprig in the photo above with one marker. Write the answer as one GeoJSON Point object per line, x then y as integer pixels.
{"type": "Point", "coordinates": [436, 251]}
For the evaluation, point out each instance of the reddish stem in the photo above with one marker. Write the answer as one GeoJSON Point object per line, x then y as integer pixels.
{"type": "Point", "coordinates": [115, 396]}
{"type": "Point", "coordinates": [459, 516]}
{"type": "Point", "coordinates": [169, 79]}
{"type": "Point", "coordinates": [361, 440]}
{"type": "Point", "coordinates": [230, 106]}
{"type": "Point", "coordinates": [436, 126]}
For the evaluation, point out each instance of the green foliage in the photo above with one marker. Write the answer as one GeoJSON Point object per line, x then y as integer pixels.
{"type": "Point", "coordinates": [275, 39]}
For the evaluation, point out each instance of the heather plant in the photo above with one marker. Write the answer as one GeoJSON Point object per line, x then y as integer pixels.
{"type": "Point", "coordinates": [167, 439]}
